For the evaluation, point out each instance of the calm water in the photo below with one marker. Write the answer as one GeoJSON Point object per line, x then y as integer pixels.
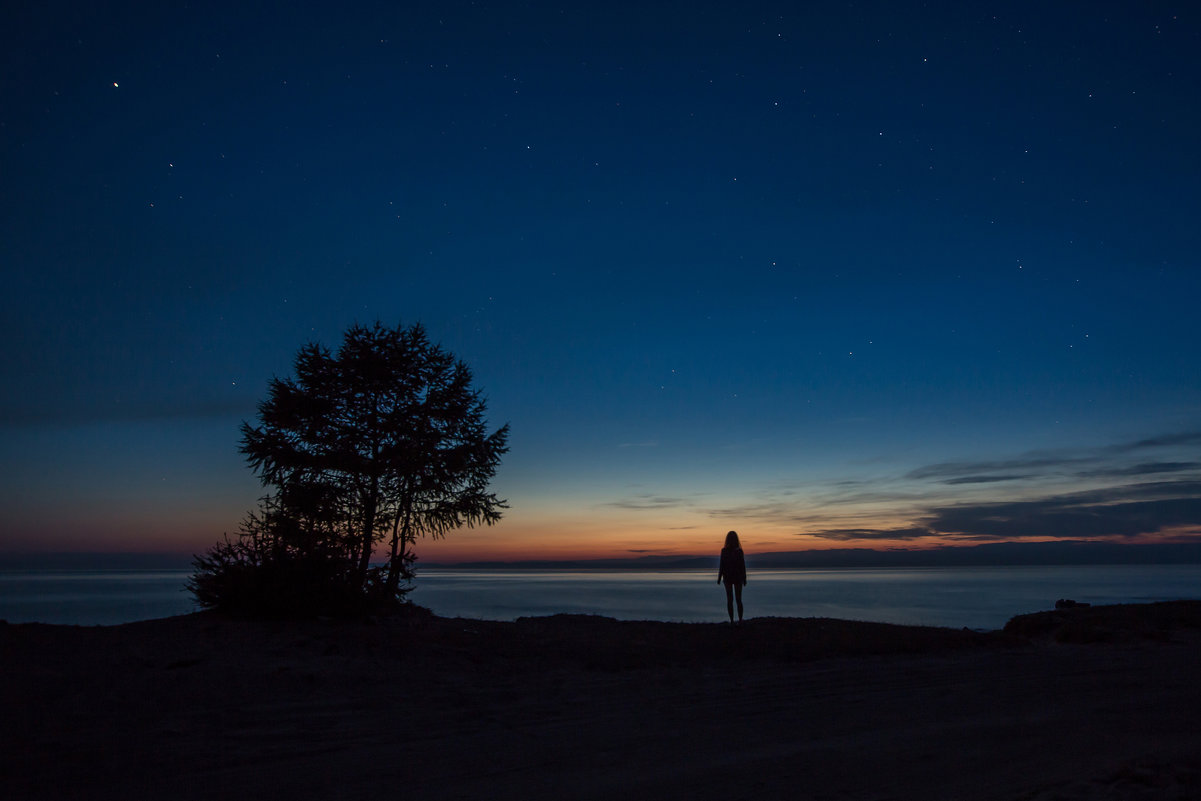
{"type": "Point", "coordinates": [979, 598]}
{"type": "Point", "coordinates": [93, 597]}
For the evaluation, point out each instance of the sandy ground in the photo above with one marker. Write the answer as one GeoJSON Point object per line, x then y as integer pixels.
{"type": "Point", "coordinates": [1091, 704]}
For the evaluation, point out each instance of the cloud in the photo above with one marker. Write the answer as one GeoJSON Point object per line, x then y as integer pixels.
{"type": "Point", "coordinates": [1143, 469]}
{"type": "Point", "coordinates": [976, 472]}
{"type": "Point", "coordinates": [648, 502]}
{"type": "Point", "coordinates": [865, 497]}
{"type": "Point", "coordinates": [1163, 441]}
{"type": "Point", "coordinates": [768, 511]}
{"type": "Point", "coordinates": [1113, 512]}
{"type": "Point", "coordinates": [1156, 490]}
{"type": "Point", "coordinates": [1108, 461]}
{"type": "Point", "coordinates": [844, 534]}
{"type": "Point", "coordinates": [987, 479]}
{"type": "Point", "coordinates": [1123, 511]}
{"type": "Point", "coordinates": [923, 498]}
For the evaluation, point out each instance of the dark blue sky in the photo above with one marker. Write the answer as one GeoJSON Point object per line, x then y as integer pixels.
{"type": "Point", "coordinates": [829, 273]}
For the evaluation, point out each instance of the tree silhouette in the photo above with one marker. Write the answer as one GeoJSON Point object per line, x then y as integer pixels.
{"type": "Point", "coordinates": [382, 442]}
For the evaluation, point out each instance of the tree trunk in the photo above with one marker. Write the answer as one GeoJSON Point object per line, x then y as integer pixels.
{"type": "Point", "coordinates": [371, 506]}
{"type": "Point", "coordinates": [401, 535]}
{"type": "Point", "coordinates": [369, 514]}
{"type": "Point", "coordinates": [394, 582]}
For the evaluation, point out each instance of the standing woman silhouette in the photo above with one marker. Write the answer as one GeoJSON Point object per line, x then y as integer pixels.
{"type": "Point", "coordinates": [732, 571]}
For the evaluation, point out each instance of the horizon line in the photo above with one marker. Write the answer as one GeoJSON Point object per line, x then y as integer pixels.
{"type": "Point", "coordinates": [1051, 553]}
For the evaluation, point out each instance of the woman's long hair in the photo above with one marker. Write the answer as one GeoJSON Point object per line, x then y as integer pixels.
{"type": "Point", "coordinates": [732, 540]}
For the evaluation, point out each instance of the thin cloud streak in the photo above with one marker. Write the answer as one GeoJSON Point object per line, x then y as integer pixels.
{"type": "Point", "coordinates": [949, 472]}
{"type": "Point", "coordinates": [851, 534]}
{"type": "Point", "coordinates": [987, 479]}
{"type": "Point", "coordinates": [1144, 469]}
{"type": "Point", "coordinates": [1164, 441]}
{"type": "Point", "coordinates": [648, 502]}
{"type": "Point", "coordinates": [1041, 463]}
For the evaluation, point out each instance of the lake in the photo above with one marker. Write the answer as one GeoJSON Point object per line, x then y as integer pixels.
{"type": "Point", "coordinates": [974, 597]}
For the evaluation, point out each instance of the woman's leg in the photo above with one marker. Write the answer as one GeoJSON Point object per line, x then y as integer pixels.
{"type": "Point", "coordinates": [730, 599]}
{"type": "Point", "coordinates": [738, 595]}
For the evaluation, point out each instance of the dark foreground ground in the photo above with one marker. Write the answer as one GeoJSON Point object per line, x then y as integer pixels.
{"type": "Point", "coordinates": [1100, 703]}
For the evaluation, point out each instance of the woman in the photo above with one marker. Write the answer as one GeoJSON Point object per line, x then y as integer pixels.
{"type": "Point", "coordinates": [732, 571]}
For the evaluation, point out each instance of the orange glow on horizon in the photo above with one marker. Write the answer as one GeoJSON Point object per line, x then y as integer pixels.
{"type": "Point", "coordinates": [547, 533]}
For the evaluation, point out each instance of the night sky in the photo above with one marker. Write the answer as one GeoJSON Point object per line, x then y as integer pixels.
{"type": "Point", "coordinates": [870, 274]}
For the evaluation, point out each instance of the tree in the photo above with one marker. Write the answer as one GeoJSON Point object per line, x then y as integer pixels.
{"type": "Point", "coordinates": [383, 442]}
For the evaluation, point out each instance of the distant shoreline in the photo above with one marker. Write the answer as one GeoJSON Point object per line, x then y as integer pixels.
{"type": "Point", "coordinates": [1015, 554]}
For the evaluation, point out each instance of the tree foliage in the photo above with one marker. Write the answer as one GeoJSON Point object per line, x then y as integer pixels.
{"type": "Point", "coordinates": [376, 445]}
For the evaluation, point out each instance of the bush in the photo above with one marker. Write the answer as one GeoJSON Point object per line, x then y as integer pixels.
{"type": "Point", "coordinates": [235, 579]}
